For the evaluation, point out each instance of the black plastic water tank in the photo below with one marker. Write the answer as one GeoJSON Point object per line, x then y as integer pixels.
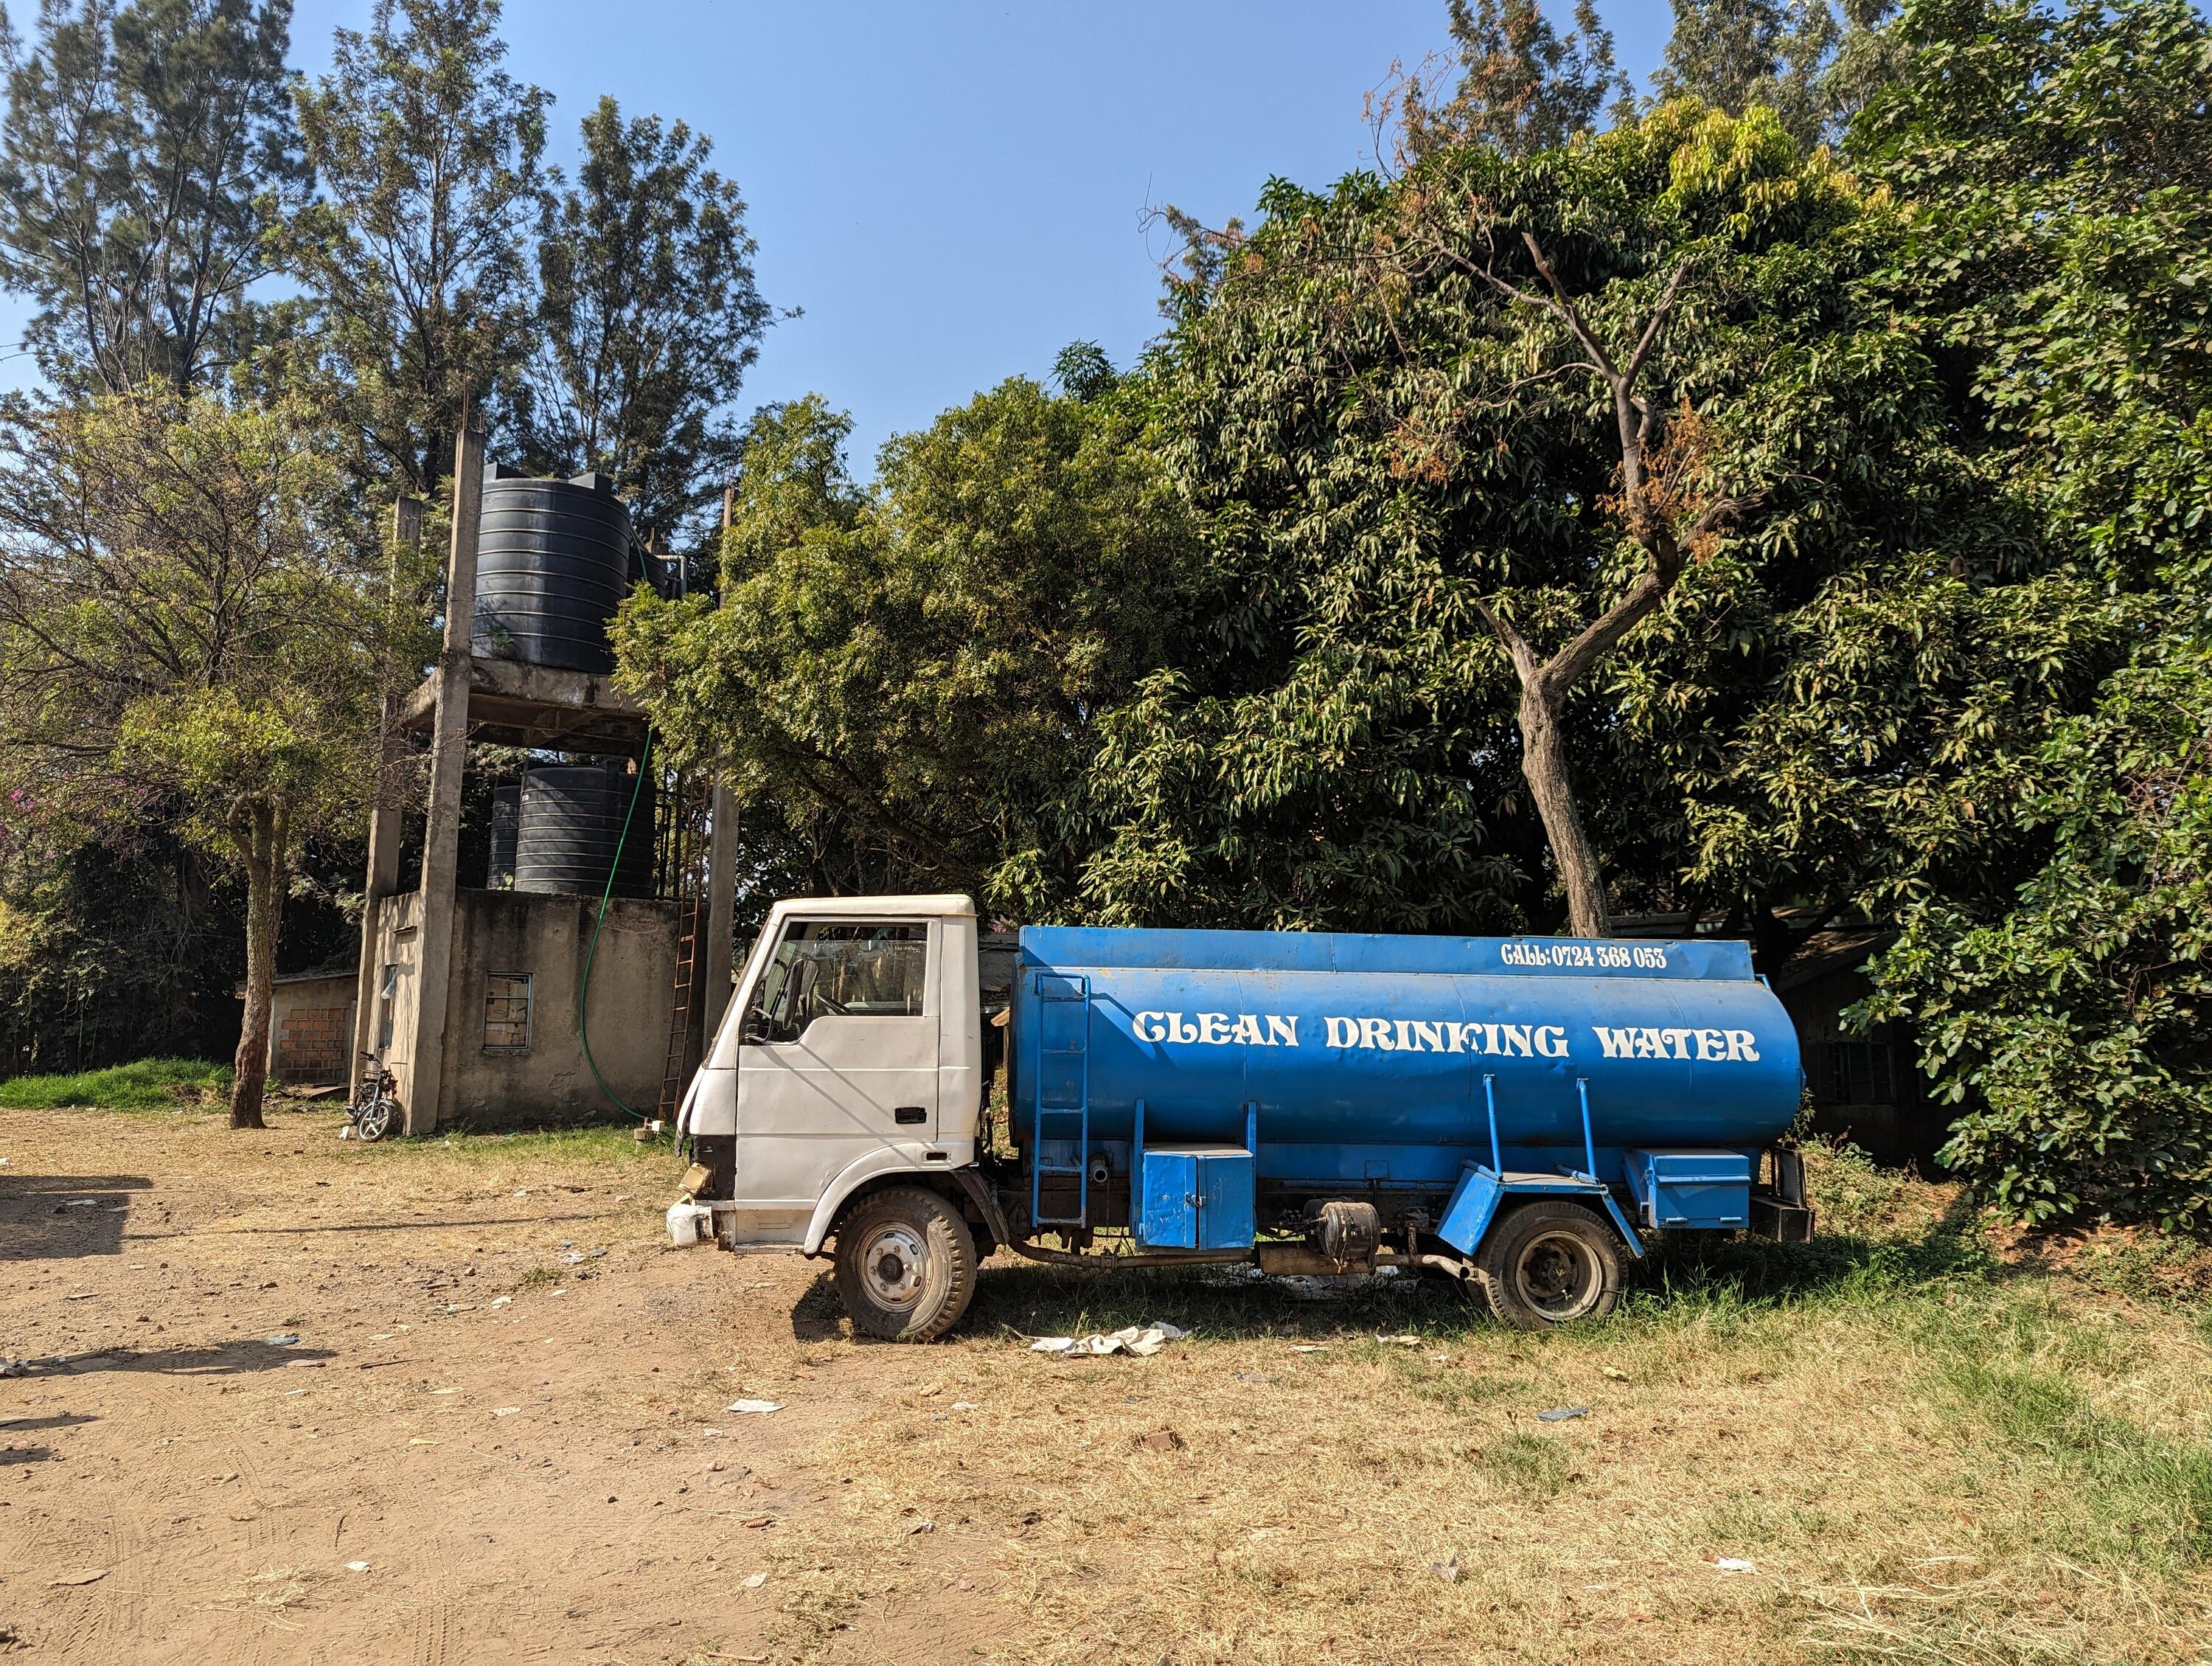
{"type": "Point", "coordinates": [571, 826]}
{"type": "Point", "coordinates": [552, 565]}
{"type": "Point", "coordinates": [506, 809]}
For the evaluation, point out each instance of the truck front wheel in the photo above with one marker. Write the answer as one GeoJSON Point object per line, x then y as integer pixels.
{"type": "Point", "coordinates": [906, 1265]}
{"type": "Point", "coordinates": [1547, 1262]}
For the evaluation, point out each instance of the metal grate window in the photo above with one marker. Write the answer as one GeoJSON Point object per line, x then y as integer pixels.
{"type": "Point", "coordinates": [506, 1013]}
{"type": "Point", "coordinates": [1859, 1074]}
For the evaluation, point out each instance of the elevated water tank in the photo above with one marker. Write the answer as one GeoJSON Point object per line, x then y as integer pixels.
{"type": "Point", "coordinates": [552, 565]}
{"type": "Point", "coordinates": [571, 830]}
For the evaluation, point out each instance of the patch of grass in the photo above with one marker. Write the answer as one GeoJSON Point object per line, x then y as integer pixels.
{"type": "Point", "coordinates": [2118, 1490]}
{"type": "Point", "coordinates": [1930, 1452]}
{"type": "Point", "coordinates": [142, 1085]}
{"type": "Point", "coordinates": [2146, 1266]}
{"type": "Point", "coordinates": [591, 1142]}
{"type": "Point", "coordinates": [1529, 1463]}
{"type": "Point", "coordinates": [1457, 1390]}
{"type": "Point", "coordinates": [1855, 1196]}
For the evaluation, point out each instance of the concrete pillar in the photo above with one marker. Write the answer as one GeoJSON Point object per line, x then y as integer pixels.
{"type": "Point", "coordinates": [721, 906]}
{"type": "Point", "coordinates": [383, 876]}
{"type": "Point", "coordinates": [421, 1089]}
{"type": "Point", "coordinates": [721, 871]}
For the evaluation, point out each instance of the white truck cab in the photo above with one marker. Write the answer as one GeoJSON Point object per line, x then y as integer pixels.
{"type": "Point", "coordinates": [852, 1051]}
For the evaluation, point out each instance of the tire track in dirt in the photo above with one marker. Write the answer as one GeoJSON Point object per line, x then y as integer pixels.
{"type": "Point", "coordinates": [186, 1441]}
{"type": "Point", "coordinates": [433, 1630]}
{"type": "Point", "coordinates": [67, 1543]}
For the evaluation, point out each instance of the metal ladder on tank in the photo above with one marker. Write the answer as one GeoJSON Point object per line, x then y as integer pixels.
{"type": "Point", "coordinates": [1080, 1111]}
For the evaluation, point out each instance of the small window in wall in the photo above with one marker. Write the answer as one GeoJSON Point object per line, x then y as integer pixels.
{"type": "Point", "coordinates": [506, 1013]}
{"type": "Point", "coordinates": [1858, 1073]}
{"type": "Point", "coordinates": [387, 1006]}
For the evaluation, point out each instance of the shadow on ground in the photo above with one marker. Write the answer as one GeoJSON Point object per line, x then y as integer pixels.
{"type": "Point", "coordinates": [224, 1360]}
{"type": "Point", "coordinates": [1696, 1270]}
{"type": "Point", "coordinates": [1679, 1278]}
{"type": "Point", "coordinates": [45, 1217]}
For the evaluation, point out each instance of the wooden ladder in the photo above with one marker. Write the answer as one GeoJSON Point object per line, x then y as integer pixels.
{"type": "Point", "coordinates": [674, 1071]}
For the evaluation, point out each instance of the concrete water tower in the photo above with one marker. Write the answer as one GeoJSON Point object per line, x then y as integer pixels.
{"type": "Point", "coordinates": [471, 994]}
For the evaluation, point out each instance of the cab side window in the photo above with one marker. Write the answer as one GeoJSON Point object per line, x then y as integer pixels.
{"type": "Point", "coordinates": [839, 969]}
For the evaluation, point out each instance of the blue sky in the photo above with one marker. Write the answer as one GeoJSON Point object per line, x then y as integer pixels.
{"type": "Point", "coordinates": [953, 192]}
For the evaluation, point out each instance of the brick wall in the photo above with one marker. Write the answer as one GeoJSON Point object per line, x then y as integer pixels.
{"type": "Point", "coordinates": [313, 1044]}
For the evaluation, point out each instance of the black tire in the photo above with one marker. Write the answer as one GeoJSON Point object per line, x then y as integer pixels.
{"type": "Point", "coordinates": [906, 1265]}
{"type": "Point", "coordinates": [379, 1119]}
{"type": "Point", "coordinates": [1549, 1263]}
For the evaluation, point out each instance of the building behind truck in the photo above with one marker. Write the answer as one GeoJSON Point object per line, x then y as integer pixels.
{"type": "Point", "coordinates": [1516, 1113]}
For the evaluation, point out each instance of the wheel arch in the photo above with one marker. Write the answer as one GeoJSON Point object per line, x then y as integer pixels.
{"type": "Point", "coordinates": [879, 1171]}
{"type": "Point", "coordinates": [1482, 1199]}
{"type": "Point", "coordinates": [1597, 1202]}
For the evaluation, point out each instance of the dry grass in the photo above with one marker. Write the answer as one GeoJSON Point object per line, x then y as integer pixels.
{"type": "Point", "coordinates": [1933, 1444]}
{"type": "Point", "coordinates": [1925, 1456]}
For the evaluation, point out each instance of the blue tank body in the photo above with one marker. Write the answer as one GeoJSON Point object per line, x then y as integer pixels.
{"type": "Point", "coordinates": [1377, 1060]}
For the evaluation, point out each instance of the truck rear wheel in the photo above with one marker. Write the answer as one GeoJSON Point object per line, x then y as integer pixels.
{"type": "Point", "coordinates": [1547, 1262]}
{"type": "Point", "coordinates": [906, 1265]}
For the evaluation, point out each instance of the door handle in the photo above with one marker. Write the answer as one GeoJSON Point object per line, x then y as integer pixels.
{"type": "Point", "coordinates": [908, 1115]}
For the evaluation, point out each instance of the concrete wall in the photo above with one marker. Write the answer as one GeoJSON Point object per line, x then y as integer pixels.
{"type": "Point", "coordinates": [505, 934]}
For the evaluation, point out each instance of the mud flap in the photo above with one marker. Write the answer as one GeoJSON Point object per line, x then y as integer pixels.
{"type": "Point", "coordinates": [1482, 1191]}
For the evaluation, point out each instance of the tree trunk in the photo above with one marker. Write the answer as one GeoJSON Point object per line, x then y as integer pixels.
{"type": "Point", "coordinates": [1544, 683]}
{"type": "Point", "coordinates": [264, 869]}
{"type": "Point", "coordinates": [1544, 766]}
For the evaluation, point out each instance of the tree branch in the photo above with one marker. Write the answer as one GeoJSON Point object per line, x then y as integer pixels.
{"type": "Point", "coordinates": [1524, 659]}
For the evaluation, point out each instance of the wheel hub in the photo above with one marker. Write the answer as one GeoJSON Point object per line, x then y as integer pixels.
{"type": "Point", "coordinates": [892, 1264]}
{"type": "Point", "coordinates": [1557, 1275]}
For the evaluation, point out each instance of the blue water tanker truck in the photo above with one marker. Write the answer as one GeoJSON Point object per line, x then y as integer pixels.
{"type": "Point", "coordinates": [1519, 1113]}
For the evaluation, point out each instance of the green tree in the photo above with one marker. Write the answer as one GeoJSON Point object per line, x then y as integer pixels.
{"type": "Point", "coordinates": [912, 677]}
{"type": "Point", "coordinates": [647, 321]}
{"type": "Point", "coordinates": [186, 633]}
{"type": "Point", "coordinates": [1476, 446]}
{"type": "Point", "coordinates": [147, 150]}
{"type": "Point", "coordinates": [1084, 371]}
{"type": "Point", "coordinates": [1797, 57]}
{"type": "Point", "coordinates": [1520, 85]}
{"type": "Point", "coordinates": [427, 156]}
{"type": "Point", "coordinates": [2060, 265]}
{"type": "Point", "coordinates": [2071, 1028]}
{"type": "Point", "coordinates": [110, 949]}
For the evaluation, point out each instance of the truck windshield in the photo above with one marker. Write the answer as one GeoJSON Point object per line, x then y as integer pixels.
{"type": "Point", "coordinates": [840, 969]}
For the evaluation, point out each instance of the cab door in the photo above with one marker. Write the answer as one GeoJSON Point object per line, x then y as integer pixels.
{"type": "Point", "coordinates": [837, 1055]}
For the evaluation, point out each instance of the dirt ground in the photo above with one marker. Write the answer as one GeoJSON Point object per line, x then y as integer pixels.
{"type": "Point", "coordinates": [294, 1400]}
